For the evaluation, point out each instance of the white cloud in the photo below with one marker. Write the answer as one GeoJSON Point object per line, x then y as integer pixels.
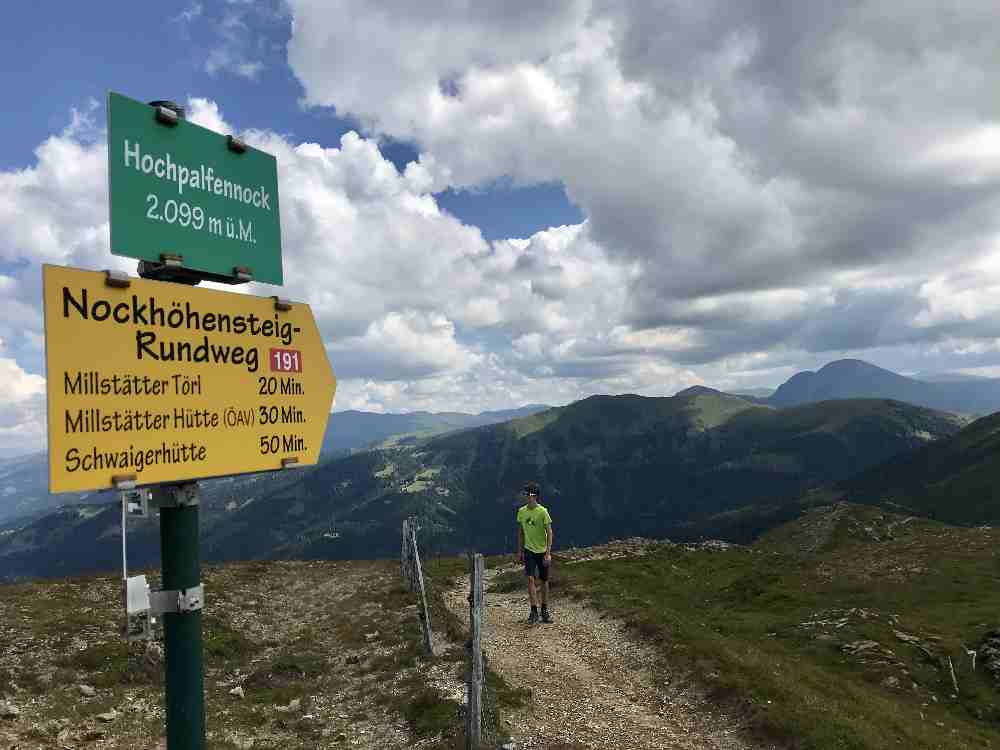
{"type": "Point", "coordinates": [206, 113]}
{"type": "Point", "coordinates": [748, 215]}
{"type": "Point", "coordinates": [22, 409]}
{"type": "Point", "coordinates": [417, 310]}
{"type": "Point", "coordinates": [724, 148]}
{"type": "Point", "coordinates": [189, 14]}
{"type": "Point", "coordinates": [235, 46]}
{"type": "Point", "coordinates": [402, 345]}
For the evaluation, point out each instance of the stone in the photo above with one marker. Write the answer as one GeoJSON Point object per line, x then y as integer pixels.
{"type": "Point", "coordinates": [858, 647]}
{"type": "Point", "coordinates": [989, 654]}
{"type": "Point", "coordinates": [108, 716]}
{"type": "Point", "coordinates": [371, 636]}
{"type": "Point", "coordinates": [890, 682]}
{"type": "Point", "coordinates": [9, 711]}
{"type": "Point", "coordinates": [238, 692]}
{"type": "Point", "coordinates": [153, 653]}
{"type": "Point", "coordinates": [294, 707]}
{"type": "Point", "coordinates": [93, 735]}
{"type": "Point", "coordinates": [86, 690]}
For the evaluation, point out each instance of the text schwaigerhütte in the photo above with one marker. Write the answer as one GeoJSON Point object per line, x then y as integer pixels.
{"type": "Point", "coordinates": [96, 459]}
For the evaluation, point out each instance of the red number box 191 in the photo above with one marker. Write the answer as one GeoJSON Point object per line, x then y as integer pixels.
{"type": "Point", "coordinates": [286, 360]}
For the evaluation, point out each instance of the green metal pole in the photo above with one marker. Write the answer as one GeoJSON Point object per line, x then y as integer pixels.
{"type": "Point", "coordinates": [185, 680]}
{"type": "Point", "coordinates": [181, 566]}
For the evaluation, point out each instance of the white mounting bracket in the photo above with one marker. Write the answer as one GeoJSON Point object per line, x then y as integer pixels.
{"type": "Point", "coordinates": [136, 503]}
{"type": "Point", "coordinates": [124, 481]}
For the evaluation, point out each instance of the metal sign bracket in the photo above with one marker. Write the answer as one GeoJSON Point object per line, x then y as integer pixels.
{"type": "Point", "coordinates": [174, 495]}
{"type": "Point", "coordinates": [177, 602]}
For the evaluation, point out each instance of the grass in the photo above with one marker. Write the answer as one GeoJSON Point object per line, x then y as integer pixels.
{"type": "Point", "coordinates": [499, 697]}
{"type": "Point", "coordinates": [737, 620]}
{"type": "Point", "coordinates": [222, 643]}
{"type": "Point", "coordinates": [429, 714]}
{"type": "Point", "coordinates": [115, 663]}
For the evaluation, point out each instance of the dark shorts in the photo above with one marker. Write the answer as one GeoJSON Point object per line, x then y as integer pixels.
{"type": "Point", "coordinates": [534, 565]}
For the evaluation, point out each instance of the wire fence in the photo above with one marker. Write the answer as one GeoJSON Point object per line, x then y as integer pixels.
{"type": "Point", "coordinates": [492, 732]}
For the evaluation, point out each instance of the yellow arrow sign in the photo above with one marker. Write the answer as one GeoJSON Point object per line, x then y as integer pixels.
{"type": "Point", "coordinates": [164, 382]}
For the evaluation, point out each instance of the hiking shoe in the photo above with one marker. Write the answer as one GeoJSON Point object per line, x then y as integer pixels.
{"type": "Point", "coordinates": [545, 616]}
{"type": "Point", "coordinates": [533, 617]}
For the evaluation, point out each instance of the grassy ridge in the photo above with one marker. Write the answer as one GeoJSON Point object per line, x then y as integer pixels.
{"type": "Point", "coordinates": [953, 480]}
{"type": "Point", "coordinates": [833, 632]}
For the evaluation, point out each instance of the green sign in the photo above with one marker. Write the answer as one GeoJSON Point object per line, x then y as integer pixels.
{"type": "Point", "coordinates": [183, 190]}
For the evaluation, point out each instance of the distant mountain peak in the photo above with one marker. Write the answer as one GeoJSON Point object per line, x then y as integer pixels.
{"type": "Point", "coordinates": [699, 390]}
{"type": "Point", "coordinates": [843, 366]}
{"type": "Point", "coordinates": [855, 378]}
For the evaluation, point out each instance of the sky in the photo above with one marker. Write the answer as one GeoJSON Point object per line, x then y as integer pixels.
{"type": "Point", "coordinates": [493, 204]}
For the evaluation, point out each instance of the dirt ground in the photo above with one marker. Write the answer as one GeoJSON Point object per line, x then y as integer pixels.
{"type": "Point", "coordinates": [592, 684]}
{"type": "Point", "coordinates": [315, 646]}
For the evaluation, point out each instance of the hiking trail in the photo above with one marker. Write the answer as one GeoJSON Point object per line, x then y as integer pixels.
{"type": "Point", "coordinates": [591, 681]}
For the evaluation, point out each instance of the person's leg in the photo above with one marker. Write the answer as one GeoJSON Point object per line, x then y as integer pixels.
{"type": "Point", "coordinates": [545, 595]}
{"type": "Point", "coordinates": [531, 573]}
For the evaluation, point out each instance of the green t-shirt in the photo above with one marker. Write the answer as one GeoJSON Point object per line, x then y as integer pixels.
{"type": "Point", "coordinates": [534, 524]}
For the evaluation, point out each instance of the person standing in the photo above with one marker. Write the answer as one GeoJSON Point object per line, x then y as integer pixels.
{"type": "Point", "coordinates": [534, 549]}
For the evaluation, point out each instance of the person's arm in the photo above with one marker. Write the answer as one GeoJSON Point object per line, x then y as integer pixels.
{"type": "Point", "coordinates": [520, 543]}
{"type": "Point", "coordinates": [548, 541]}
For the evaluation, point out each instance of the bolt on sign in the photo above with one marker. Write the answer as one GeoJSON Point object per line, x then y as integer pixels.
{"type": "Point", "coordinates": [166, 382]}
{"type": "Point", "coordinates": [180, 191]}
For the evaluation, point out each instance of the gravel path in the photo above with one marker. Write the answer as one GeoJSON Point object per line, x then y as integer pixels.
{"type": "Point", "coordinates": [591, 682]}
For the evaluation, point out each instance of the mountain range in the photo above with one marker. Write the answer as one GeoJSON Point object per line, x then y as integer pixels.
{"type": "Point", "coordinates": [854, 378]}
{"type": "Point", "coordinates": [702, 462]}
{"type": "Point", "coordinates": [24, 493]}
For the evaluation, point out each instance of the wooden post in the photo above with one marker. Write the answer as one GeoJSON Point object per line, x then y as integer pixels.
{"type": "Point", "coordinates": [411, 551]}
{"type": "Point", "coordinates": [473, 717]}
{"type": "Point", "coordinates": [425, 616]}
{"type": "Point", "coordinates": [404, 556]}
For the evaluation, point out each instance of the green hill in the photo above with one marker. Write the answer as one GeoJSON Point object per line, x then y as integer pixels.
{"type": "Point", "coordinates": [840, 630]}
{"type": "Point", "coordinates": [955, 480]}
{"type": "Point", "coordinates": [697, 463]}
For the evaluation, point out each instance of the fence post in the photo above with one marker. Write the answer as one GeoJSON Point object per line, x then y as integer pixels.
{"type": "Point", "coordinates": [473, 717]}
{"type": "Point", "coordinates": [425, 616]}
{"type": "Point", "coordinates": [402, 553]}
{"type": "Point", "coordinates": [406, 557]}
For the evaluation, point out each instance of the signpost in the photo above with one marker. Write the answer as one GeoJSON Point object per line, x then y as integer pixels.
{"type": "Point", "coordinates": [153, 383]}
{"type": "Point", "coordinates": [166, 382]}
{"type": "Point", "coordinates": [186, 197]}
